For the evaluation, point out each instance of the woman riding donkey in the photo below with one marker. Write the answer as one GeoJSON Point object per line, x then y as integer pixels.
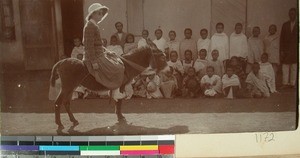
{"type": "Point", "coordinates": [105, 66]}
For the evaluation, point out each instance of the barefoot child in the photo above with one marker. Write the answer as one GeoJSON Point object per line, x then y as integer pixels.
{"type": "Point", "coordinates": [267, 70]}
{"type": "Point", "coordinates": [256, 48]}
{"type": "Point", "coordinates": [169, 84]}
{"type": "Point", "coordinates": [231, 84]}
{"type": "Point", "coordinates": [177, 67]}
{"type": "Point", "coordinates": [188, 61]}
{"type": "Point", "coordinates": [191, 84]}
{"type": "Point", "coordinates": [211, 84]}
{"type": "Point", "coordinates": [201, 63]}
{"type": "Point", "coordinates": [216, 63]}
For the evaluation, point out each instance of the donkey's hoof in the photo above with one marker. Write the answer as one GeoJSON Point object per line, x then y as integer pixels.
{"type": "Point", "coordinates": [75, 123]}
{"type": "Point", "coordinates": [60, 127]}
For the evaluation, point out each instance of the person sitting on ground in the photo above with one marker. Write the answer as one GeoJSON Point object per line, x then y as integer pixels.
{"type": "Point", "coordinates": [201, 63]}
{"type": "Point", "coordinates": [267, 70]}
{"type": "Point", "coordinates": [231, 84]}
{"type": "Point", "coordinates": [169, 86]}
{"type": "Point", "coordinates": [211, 84]}
{"type": "Point", "coordinates": [256, 83]}
{"type": "Point", "coordinates": [191, 84]}
{"type": "Point", "coordinates": [139, 86]}
{"type": "Point", "coordinates": [238, 69]}
{"type": "Point", "coordinates": [177, 67]}
{"type": "Point", "coordinates": [188, 61]}
{"type": "Point", "coordinates": [216, 63]}
{"type": "Point", "coordinates": [152, 84]}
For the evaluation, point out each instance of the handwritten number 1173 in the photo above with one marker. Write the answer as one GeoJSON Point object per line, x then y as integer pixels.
{"type": "Point", "coordinates": [264, 137]}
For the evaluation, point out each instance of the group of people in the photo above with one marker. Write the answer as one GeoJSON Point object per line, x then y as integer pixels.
{"type": "Point", "coordinates": [233, 67]}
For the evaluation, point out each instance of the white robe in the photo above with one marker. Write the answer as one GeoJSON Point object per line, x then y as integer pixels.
{"type": "Point", "coordinates": [220, 42]}
{"type": "Point", "coordinates": [268, 72]}
{"type": "Point", "coordinates": [232, 81]}
{"type": "Point", "coordinates": [116, 48]}
{"type": "Point", "coordinates": [203, 44]}
{"type": "Point", "coordinates": [215, 83]}
{"type": "Point", "coordinates": [256, 48]}
{"type": "Point", "coordinates": [176, 66]}
{"type": "Point", "coordinates": [238, 45]}
{"type": "Point", "coordinates": [142, 43]}
{"type": "Point", "coordinates": [160, 44]}
{"type": "Point", "coordinates": [271, 43]}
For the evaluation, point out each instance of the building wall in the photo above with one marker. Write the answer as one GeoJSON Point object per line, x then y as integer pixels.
{"type": "Point", "coordinates": [12, 52]}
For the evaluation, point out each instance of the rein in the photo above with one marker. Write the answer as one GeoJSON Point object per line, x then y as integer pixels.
{"type": "Point", "coordinates": [132, 64]}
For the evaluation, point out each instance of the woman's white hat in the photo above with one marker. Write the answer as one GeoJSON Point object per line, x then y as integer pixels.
{"type": "Point", "coordinates": [95, 7]}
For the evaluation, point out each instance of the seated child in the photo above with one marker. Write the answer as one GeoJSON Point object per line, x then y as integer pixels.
{"type": "Point", "coordinates": [114, 47]}
{"type": "Point", "coordinates": [143, 41]}
{"type": "Point", "coordinates": [152, 85]}
{"type": "Point", "coordinates": [267, 70]}
{"type": "Point", "coordinates": [188, 61]}
{"type": "Point", "coordinates": [139, 86]}
{"type": "Point", "coordinates": [216, 63]}
{"type": "Point", "coordinates": [211, 84]}
{"type": "Point", "coordinates": [177, 67]}
{"type": "Point", "coordinates": [172, 45]}
{"type": "Point", "coordinates": [231, 84]}
{"type": "Point", "coordinates": [238, 70]}
{"type": "Point", "coordinates": [169, 84]}
{"type": "Point", "coordinates": [201, 63]}
{"type": "Point", "coordinates": [191, 84]}
{"type": "Point", "coordinates": [256, 83]}
{"type": "Point", "coordinates": [130, 45]}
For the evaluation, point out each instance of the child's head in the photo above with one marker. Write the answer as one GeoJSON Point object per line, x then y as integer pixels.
{"type": "Point", "coordinates": [104, 42]}
{"type": "Point", "coordinates": [113, 40]}
{"type": "Point", "coordinates": [173, 56]}
{"type": "Point", "coordinates": [264, 58]}
{"type": "Point", "coordinates": [188, 55]}
{"type": "Point", "coordinates": [229, 71]}
{"type": "Point", "coordinates": [158, 33]}
{"type": "Point", "coordinates": [255, 68]}
{"type": "Point", "coordinates": [79, 56]}
{"type": "Point", "coordinates": [119, 27]}
{"type": "Point", "coordinates": [215, 55]}
{"type": "Point", "coordinates": [256, 31]}
{"type": "Point", "coordinates": [220, 27]}
{"type": "Point", "coordinates": [130, 38]}
{"type": "Point", "coordinates": [238, 28]}
{"type": "Point", "coordinates": [204, 33]}
{"type": "Point", "coordinates": [234, 61]}
{"type": "Point", "coordinates": [202, 54]}
{"type": "Point", "coordinates": [77, 42]}
{"type": "Point", "coordinates": [210, 70]}
{"type": "Point", "coordinates": [145, 34]}
{"type": "Point", "coordinates": [272, 29]}
{"type": "Point", "coordinates": [172, 35]}
{"type": "Point", "coordinates": [191, 71]}
{"type": "Point", "coordinates": [188, 33]}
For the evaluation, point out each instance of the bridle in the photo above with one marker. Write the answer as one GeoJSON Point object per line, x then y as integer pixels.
{"type": "Point", "coordinates": [133, 64]}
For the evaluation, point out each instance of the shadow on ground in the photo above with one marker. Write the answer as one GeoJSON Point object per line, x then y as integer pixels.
{"type": "Point", "coordinates": [125, 129]}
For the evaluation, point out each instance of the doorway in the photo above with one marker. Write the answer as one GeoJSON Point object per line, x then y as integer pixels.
{"type": "Point", "coordinates": [72, 23]}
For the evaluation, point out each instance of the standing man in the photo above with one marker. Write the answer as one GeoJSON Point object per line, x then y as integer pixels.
{"type": "Point", "coordinates": [288, 49]}
{"type": "Point", "coordinates": [121, 36]}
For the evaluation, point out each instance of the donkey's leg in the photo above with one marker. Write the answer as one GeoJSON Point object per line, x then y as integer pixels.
{"type": "Point", "coordinates": [71, 116]}
{"type": "Point", "coordinates": [118, 110]}
{"type": "Point", "coordinates": [58, 104]}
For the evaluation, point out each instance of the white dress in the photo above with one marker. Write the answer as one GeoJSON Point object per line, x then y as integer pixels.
{"type": "Point", "coordinates": [238, 45]}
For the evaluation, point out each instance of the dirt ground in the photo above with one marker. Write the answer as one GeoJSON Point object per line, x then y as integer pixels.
{"type": "Point", "coordinates": [25, 104]}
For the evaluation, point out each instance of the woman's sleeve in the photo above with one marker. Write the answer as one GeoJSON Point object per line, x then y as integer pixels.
{"type": "Point", "coordinates": [89, 42]}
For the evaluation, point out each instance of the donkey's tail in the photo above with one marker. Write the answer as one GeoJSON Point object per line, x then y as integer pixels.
{"type": "Point", "coordinates": [54, 74]}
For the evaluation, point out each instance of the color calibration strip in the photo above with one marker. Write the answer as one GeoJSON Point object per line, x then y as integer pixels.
{"type": "Point", "coordinates": [89, 145]}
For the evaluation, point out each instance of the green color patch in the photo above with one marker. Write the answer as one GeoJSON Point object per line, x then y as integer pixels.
{"type": "Point", "coordinates": [99, 147]}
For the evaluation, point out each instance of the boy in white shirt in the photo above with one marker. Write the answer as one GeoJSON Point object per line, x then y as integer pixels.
{"type": "Point", "coordinates": [219, 41]}
{"type": "Point", "coordinates": [238, 42]}
{"type": "Point", "coordinates": [143, 41]}
{"type": "Point", "coordinates": [203, 42]}
{"type": "Point", "coordinates": [160, 42]}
